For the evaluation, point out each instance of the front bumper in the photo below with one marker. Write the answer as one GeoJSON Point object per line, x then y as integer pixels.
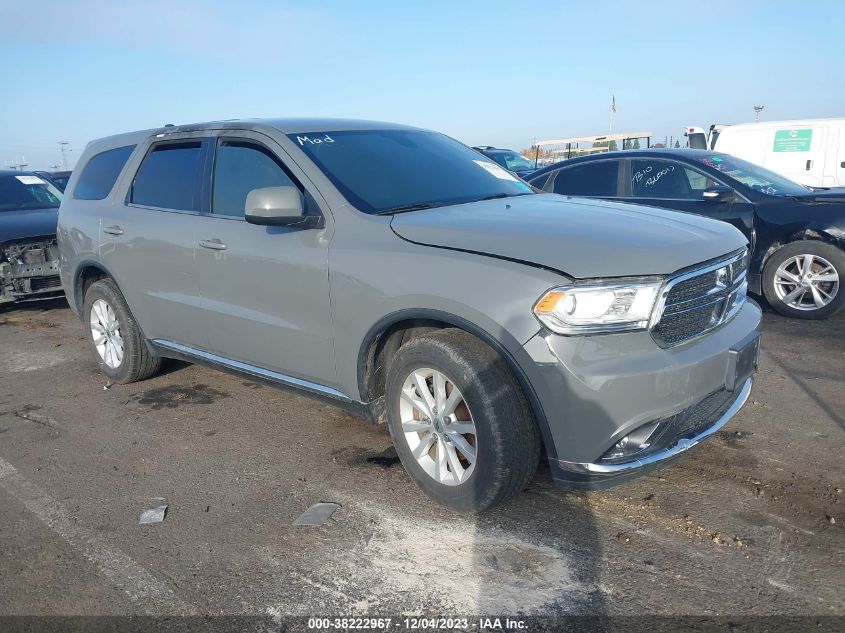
{"type": "Point", "coordinates": [29, 269]}
{"type": "Point", "coordinates": [596, 390]}
{"type": "Point", "coordinates": [604, 475]}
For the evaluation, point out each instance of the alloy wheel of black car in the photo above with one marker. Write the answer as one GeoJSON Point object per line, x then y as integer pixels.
{"type": "Point", "coordinates": [804, 280]}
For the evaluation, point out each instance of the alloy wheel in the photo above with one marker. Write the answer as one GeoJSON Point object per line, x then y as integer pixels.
{"type": "Point", "coordinates": [438, 426]}
{"type": "Point", "coordinates": [806, 282]}
{"type": "Point", "coordinates": [105, 332]}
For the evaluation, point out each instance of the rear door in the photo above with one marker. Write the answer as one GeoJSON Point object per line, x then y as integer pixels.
{"type": "Point", "coordinates": [675, 185]}
{"type": "Point", "coordinates": [147, 237]}
{"type": "Point", "coordinates": [265, 289]}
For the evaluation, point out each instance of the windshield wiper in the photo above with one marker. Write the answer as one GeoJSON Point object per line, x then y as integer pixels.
{"type": "Point", "coordinates": [497, 196]}
{"type": "Point", "coordinates": [405, 208]}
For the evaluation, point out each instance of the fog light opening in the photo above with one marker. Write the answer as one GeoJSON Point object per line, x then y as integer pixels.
{"type": "Point", "coordinates": [632, 444]}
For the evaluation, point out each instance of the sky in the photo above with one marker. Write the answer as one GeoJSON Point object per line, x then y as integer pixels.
{"type": "Point", "coordinates": [491, 73]}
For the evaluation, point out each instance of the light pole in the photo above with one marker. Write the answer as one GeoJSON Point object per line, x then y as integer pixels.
{"type": "Point", "coordinates": [757, 110]}
{"type": "Point", "coordinates": [63, 145]}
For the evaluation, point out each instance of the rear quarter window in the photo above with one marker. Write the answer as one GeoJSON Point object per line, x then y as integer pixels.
{"type": "Point", "coordinates": [101, 172]}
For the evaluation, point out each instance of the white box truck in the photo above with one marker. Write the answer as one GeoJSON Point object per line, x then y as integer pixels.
{"type": "Point", "coordinates": [808, 151]}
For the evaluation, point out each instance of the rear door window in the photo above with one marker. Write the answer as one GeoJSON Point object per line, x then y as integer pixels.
{"type": "Point", "coordinates": [240, 167]}
{"type": "Point", "coordinates": [591, 179]}
{"type": "Point", "coordinates": [168, 177]}
{"type": "Point", "coordinates": [666, 180]}
{"type": "Point", "coordinates": [101, 172]}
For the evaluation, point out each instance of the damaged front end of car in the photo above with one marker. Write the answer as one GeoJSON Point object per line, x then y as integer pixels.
{"type": "Point", "coordinates": [29, 268]}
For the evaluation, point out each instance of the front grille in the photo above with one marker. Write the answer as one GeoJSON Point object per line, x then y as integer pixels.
{"type": "Point", "coordinates": [38, 284]}
{"type": "Point", "coordinates": [698, 301]}
{"type": "Point", "coordinates": [694, 420]}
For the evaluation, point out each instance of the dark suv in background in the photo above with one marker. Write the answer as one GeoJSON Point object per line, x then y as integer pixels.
{"type": "Point", "coordinates": [797, 236]}
{"type": "Point", "coordinates": [58, 178]}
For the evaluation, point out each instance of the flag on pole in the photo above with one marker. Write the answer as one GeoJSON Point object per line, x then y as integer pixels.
{"type": "Point", "coordinates": [613, 104]}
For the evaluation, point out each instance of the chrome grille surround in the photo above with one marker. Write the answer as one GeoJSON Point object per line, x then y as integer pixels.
{"type": "Point", "coordinates": [700, 300]}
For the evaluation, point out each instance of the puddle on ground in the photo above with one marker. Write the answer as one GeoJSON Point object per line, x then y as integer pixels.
{"type": "Point", "coordinates": [175, 396]}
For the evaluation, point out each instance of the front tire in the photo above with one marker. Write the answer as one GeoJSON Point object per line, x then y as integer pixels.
{"type": "Point", "coordinates": [115, 336]}
{"type": "Point", "coordinates": [803, 280]}
{"type": "Point", "coordinates": [459, 421]}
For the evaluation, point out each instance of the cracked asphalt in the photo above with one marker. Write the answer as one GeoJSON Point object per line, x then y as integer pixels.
{"type": "Point", "coordinates": [751, 523]}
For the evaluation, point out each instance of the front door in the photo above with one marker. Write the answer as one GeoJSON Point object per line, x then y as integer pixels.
{"type": "Point", "coordinates": [265, 289]}
{"type": "Point", "coordinates": [675, 185]}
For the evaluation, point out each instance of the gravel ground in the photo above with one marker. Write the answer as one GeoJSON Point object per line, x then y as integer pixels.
{"type": "Point", "coordinates": [750, 524]}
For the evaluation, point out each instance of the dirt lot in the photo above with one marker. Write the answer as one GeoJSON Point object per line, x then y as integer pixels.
{"type": "Point", "coordinates": [749, 524]}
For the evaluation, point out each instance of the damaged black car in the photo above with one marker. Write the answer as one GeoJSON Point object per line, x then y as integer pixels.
{"type": "Point", "coordinates": [29, 258]}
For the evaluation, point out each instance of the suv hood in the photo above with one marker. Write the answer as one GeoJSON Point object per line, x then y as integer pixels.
{"type": "Point", "coordinates": [580, 238]}
{"type": "Point", "coordinates": [15, 225]}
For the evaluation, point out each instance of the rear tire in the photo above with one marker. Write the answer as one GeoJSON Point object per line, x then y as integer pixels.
{"type": "Point", "coordinates": [114, 335]}
{"type": "Point", "coordinates": [804, 280]}
{"type": "Point", "coordinates": [486, 434]}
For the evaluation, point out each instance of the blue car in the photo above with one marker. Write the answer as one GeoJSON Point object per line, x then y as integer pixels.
{"type": "Point", "coordinates": [509, 159]}
{"type": "Point", "coordinates": [29, 258]}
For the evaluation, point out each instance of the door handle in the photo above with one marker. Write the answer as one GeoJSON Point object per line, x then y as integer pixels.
{"type": "Point", "coordinates": [213, 244]}
{"type": "Point", "coordinates": [113, 230]}
{"type": "Point", "coordinates": [809, 165]}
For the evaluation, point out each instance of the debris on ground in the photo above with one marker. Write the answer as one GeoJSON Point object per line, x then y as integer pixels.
{"type": "Point", "coordinates": [156, 515]}
{"type": "Point", "coordinates": [318, 514]}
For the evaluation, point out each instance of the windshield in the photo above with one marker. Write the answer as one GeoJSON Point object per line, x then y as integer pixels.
{"type": "Point", "coordinates": [757, 178]}
{"type": "Point", "coordinates": [20, 192]}
{"type": "Point", "coordinates": [514, 161]}
{"type": "Point", "coordinates": [386, 171]}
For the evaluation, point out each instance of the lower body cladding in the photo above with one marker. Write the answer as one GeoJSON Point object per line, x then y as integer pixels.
{"type": "Point", "coordinates": [619, 405]}
{"type": "Point", "coordinates": [29, 269]}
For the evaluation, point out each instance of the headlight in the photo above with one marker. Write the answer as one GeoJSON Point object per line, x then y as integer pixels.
{"type": "Point", "coordinates": [598, 307]}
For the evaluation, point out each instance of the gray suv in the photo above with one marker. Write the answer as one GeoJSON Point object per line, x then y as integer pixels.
{"type": "Point", "coordinates": [397, 272]}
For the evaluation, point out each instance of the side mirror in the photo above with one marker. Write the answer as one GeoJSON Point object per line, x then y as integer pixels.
{"type": "Point", "coordinates": [718, 193]}
{"type": "Point", "coordinates": [277, 206]}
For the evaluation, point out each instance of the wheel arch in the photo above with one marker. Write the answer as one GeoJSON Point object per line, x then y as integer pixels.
{"type": "Point", "coordinates": [809, 234]}
{"type": "Point", "coordinates": [86, 273]}
{"type": "Point", "coordinates": [388, 334]}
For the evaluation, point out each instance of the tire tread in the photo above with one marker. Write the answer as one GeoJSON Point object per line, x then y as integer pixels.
{"type": "Point", "coordinates": [516, 438]}
{"type": "Point", "coordinates": [138, 362]}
